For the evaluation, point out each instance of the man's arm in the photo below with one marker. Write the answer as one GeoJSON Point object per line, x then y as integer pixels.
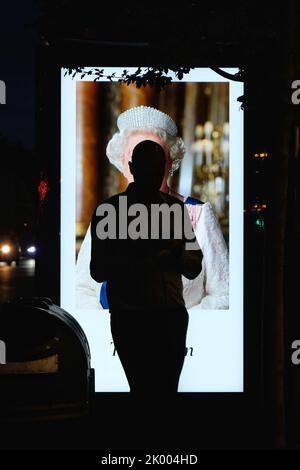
{"type": "Point", "coordinates": [179, 258]}
{"type": "Point", "coordinates": [190, 262]}
{"type": "Point", "coordinates": [191, 254]}
{"type": "Point", "coordinates": [184, 255]}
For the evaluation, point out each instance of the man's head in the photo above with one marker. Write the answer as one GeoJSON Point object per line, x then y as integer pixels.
{"type": "Point", "coordinates": [148, 176]}
{"type": "Point", "coordinates": [145, 123]}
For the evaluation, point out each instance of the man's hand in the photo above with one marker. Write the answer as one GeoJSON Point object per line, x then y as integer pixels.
{"type": "Point", "coordinates": [176, 247]}
{"type": "Point", "coordinates": [168, 257]}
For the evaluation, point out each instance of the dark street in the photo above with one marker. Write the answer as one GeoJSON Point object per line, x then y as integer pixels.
{"type": "Point", "coordinates": [17, 281]}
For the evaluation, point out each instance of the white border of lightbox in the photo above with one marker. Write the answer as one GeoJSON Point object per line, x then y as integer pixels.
{"type": "Point", "coordinates": [225, 347]}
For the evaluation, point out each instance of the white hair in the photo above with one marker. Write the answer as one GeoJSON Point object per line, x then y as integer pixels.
{"type": "Point", "coordinates": [116, 146]}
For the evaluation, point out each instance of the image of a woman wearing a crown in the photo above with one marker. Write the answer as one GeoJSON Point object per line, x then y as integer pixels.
{"type": "Point", "coordinates": [210, 289]}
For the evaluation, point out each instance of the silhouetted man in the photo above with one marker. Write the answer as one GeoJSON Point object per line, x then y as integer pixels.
{"type": "Point", "coordinates": [144, 287]}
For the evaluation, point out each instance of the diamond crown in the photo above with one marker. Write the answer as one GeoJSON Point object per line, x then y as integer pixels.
{"type": "Point", "coordinates": [145, 116]}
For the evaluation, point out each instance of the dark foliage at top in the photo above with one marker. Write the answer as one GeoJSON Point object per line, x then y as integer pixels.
{"type": "Point", "coordinates": [171, 37]}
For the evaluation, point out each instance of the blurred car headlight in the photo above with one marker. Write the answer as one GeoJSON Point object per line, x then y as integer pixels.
{"type": "Point", "coordinates": [31, 249]}
{"type": "Point", "coordinates": [5, 249]}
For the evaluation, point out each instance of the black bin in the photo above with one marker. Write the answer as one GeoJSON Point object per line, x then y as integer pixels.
{"type": "Point", "coordinates": [47, 374]}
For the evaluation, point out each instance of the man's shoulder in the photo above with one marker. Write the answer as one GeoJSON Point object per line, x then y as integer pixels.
{"type": "Point", "coordinates": [113, 200]}
{"type": "Point", "coordinates": [101, 207]}
{"type": "Point", "coordinates": [171, 199]}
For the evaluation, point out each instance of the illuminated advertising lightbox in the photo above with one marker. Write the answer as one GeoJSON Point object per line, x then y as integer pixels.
{"type": "Point", "coordinates": [209, 180]}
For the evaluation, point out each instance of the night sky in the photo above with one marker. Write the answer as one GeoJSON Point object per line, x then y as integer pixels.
{"type": "Point", "coordinates": [17, 70]}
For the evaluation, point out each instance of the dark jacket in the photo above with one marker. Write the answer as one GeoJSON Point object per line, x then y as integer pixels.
{"type": "Point", "coordinates": [143, 273]}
